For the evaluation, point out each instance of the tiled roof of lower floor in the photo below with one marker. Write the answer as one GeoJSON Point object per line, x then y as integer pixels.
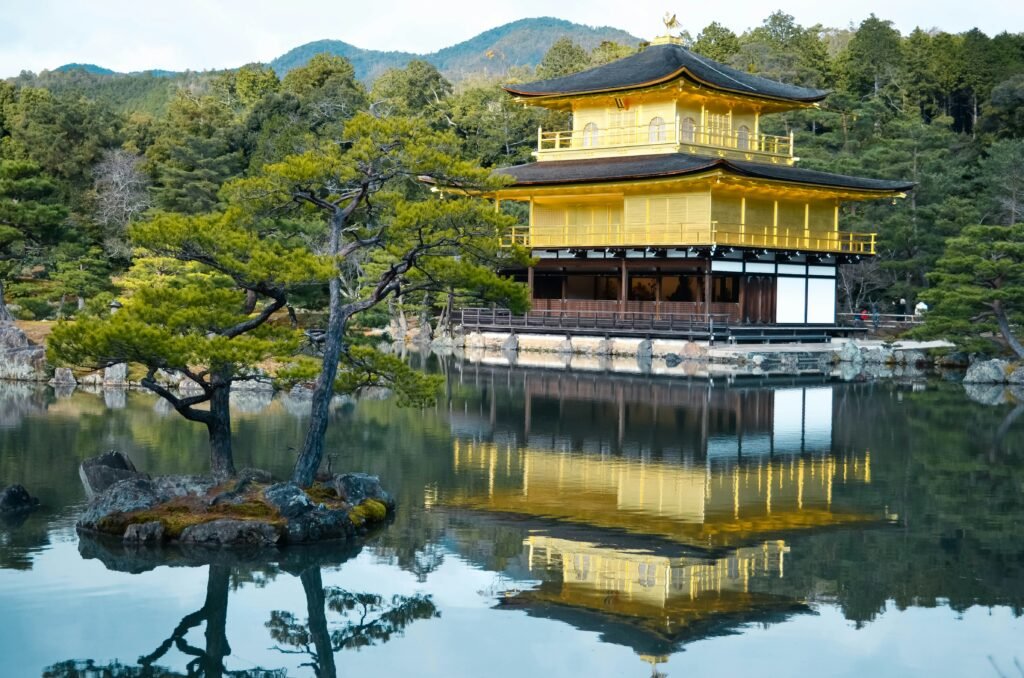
{"type": "Point", "coordinates": [640, 167]}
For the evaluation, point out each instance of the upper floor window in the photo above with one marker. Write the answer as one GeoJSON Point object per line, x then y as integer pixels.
{"type": "Point", "coordinates": [590, 134]}
{"type": "Point", "coordinates": [656, 131]}
{"type": "Point", "coordinates": [743, 138]}
{"type": "Point", "coordinates": [689, 130]}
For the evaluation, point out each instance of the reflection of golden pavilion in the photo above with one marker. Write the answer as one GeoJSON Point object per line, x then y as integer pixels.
{"type": "Point", "coordinates": [647, 601]}
{"type": "Point", "coordinates": [712, 505]}
{"type": "Point", "coordinates": [643, 582]}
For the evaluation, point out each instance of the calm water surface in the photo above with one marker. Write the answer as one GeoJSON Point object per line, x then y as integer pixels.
{"type": "Point", "coordinates": [554, 524]}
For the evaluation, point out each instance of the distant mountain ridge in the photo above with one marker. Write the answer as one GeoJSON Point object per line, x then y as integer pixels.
{"type": "Point", "coordinates": [519, 43]}
{"type": "Point", "coordinates": [88, 68]}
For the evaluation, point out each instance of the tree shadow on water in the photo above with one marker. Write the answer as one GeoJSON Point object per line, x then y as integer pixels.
{"type": "Point", "coordinates": [336, 619]}
{"type": "Point", "coordinates": [365, 619]}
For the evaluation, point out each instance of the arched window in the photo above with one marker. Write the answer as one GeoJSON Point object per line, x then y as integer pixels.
{"type": "Point", "coordinates": [656, 131]}
{"type": "Point", "coordinates": [689, 131]}
{"type": "Point", "coordinates": [590, 134]}
{"type": "Point", "coordinates": [743, 138]}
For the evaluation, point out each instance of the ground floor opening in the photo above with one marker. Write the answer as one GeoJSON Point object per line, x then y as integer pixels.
{"type": "Point", "coordinates": [749, 289]}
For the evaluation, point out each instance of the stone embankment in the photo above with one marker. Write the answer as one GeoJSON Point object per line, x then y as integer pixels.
{"type": "Point", "coordinates": [20, 359]}
{"type": "Point", "coordinates": [248, 510]}
{"type": "Point", "coordinates": [688, 358]}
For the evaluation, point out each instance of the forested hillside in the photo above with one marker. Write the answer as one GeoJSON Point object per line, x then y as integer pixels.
{"type": "Point", "coordinates": [943, 110]}
{"type": "Point", "coordinates": [490, 54]}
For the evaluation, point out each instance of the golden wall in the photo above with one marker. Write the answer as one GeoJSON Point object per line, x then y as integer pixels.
{"type": "Point", "coordinates": [666, 219]}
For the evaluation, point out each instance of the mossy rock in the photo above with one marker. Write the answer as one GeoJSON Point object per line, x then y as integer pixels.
{"type": "Point", "coordinates": [368, 512]}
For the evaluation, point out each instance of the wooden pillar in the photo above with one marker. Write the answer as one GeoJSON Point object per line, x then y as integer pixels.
{"type": "Point", "coordinates": [657, 292]}
{"type": "Point", "coordinates": [707, 290]}
{"type": "Point", "coordinates": [529, 282]}
{"type": "Point", "coordinates": [743, 293]}
{"type": "Point", "coordinates": [624, 280]}
{"type": "Point", "coordinates": [565, 288]}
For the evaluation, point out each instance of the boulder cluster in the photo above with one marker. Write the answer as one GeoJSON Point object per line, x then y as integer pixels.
{"type": "Point", "coordinates": [249, 509]}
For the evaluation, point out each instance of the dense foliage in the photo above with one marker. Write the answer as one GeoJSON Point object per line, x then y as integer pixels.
{"type": "Point", "coordinates": [945, 111]}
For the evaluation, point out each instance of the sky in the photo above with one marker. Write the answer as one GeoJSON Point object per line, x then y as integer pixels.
{"type": "Point", "coordinates": [128, 35]}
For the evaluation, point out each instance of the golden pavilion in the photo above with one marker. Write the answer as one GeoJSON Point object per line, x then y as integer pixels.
{"type": "Point", "coordinates": [665, 200]}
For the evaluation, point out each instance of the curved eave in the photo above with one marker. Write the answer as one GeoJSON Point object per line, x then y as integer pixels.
{"type": "Point", "coordinates": [679, 73]}
{"type": "Point", "coordinates": [721, 167]}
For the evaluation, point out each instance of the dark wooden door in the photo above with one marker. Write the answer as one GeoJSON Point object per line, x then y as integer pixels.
{"type": "Point", "coordinates": [758, 299]}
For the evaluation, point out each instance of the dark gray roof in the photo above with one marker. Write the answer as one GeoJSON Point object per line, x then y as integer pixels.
{"type": "Point", "coordinates": [677, 164]}
{"type": "Point", "coordinates": [662, 63]}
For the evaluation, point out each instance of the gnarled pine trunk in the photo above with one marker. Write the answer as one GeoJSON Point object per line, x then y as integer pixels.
{"type": "Point", "coordinates": [312, 451]}
{"type": "Point", "coordinates": [218, 424]}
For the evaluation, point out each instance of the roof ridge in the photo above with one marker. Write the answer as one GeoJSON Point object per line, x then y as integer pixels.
{"type": "Point", "coordinates": [712, 65]}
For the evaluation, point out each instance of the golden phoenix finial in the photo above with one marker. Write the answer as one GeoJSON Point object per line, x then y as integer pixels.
{"type": "Point", "coordinates": [670, 21]}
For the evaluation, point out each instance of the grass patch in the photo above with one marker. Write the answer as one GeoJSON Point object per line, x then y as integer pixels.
{"type": "Point", "coordinates": [35, 330]}
{"type": "Point", "coordinates": [323, 494]}
{"type": "Point", "coordinates": [178, 515]}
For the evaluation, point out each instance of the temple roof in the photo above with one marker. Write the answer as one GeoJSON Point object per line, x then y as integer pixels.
{"type": "Point", "coordinates": [660, 64]}
{"type": "Point", "coordinates": [653, 636]}
{"type": "Point", "coordinates": [662, 165]}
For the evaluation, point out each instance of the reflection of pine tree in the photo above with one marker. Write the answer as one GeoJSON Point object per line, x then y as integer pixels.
{"type": "Point", "coordinates": [366, 619]}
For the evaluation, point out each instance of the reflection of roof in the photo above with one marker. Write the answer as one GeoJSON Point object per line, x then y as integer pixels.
{"type": "Point", "coordinates": [659, 64]}
{"type": "Point", "coordinates": [596, 170]}
{"type": "Point", "coordinates": [652, 636]}
{"type": "Point", "coordinates": [712, 534]}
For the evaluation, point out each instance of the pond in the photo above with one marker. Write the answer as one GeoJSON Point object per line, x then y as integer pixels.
{"type": "Point", "coordinates": [550, 523]}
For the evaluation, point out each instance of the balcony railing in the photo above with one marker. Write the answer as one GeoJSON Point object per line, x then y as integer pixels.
{"type": "Point", "coordinates": [684, 235]}
{"type": "Point", "coordinates": [669, 134]}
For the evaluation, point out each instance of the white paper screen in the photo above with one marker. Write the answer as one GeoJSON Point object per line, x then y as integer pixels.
{"type": "Point", "coordinates": [789, 307]}
{"type": "Point", "coordinates": [821, 301]}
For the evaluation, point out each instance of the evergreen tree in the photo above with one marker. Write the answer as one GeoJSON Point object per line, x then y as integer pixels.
{"type": "Point", "coordinates": [564, 58]}
{"type": "Point", "coordinates": [609, 51]}
{"type": "Point", "coordinates": [873, 58]}
{"type": "Point", "coordinates": [65, 136]}
{"type": "Point", "coordinates": [1004, 116]}
{"type": "Point", "coordinates": [390, 235]}
{"type": "Point", "coordinates": [196, 151]}
{"type": "Point", "coordinates": [31, 218]}
{"type": "Point", "coordinates": [188, 313]}
{"type": "Point", "coordinates": [1001, 180]}
{"type": "Point", "coordinates": [716, 42]}
{"type": "Point", "coordinates": [418, 89]}
{"type": "Point", "coordinates": [977, 293]}
{"type": "Point", "coordinates": [495, 130]}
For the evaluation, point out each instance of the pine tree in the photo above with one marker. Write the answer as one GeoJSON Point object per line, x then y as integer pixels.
{"type": "Point", "coordinates": [977, 294]}
{"type": "Point", "coordinates": [197, 150]}
{"type": "Point", "coordinates": [184, 310]}
{"type": "Point", "coordinates": [397, 222]}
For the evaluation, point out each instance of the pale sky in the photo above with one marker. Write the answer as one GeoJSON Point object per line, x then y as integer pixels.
{"type": "Point", "coordinates": [129, 35]}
